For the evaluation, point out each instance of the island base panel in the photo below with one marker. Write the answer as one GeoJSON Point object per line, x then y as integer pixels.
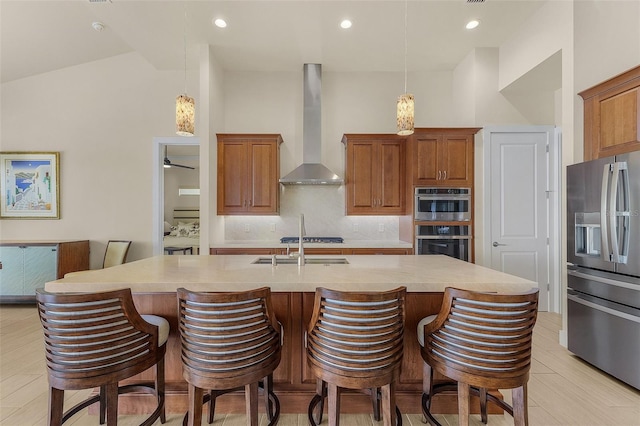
{"type": "Point", "coordinates": [293, 384]}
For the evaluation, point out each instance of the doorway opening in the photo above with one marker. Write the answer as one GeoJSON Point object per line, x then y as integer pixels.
{"type": "Point", "coordinates": [174, 191]}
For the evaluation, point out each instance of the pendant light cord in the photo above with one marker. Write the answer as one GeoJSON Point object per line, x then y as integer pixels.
{"type": "Point", "coordinates": [184, 35]}
{"type": "Point", "coordinates": [405, 46]}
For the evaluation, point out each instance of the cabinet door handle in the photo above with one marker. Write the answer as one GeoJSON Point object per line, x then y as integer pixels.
{"type": "Point", "coordinates": [439, 174]}
{"type": "Point", "coordinates": [445, 175]}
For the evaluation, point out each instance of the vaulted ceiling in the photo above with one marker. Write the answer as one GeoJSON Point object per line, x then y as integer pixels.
{"type": "Point", "coordinates": [41, 36]}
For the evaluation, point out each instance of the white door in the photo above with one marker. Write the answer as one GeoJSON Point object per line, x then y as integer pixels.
{"type": "Point", "coordinates": [518, 213]}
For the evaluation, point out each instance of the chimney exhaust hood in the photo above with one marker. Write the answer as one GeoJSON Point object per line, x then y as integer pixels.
{"type": "Point", "coordinates": [312, 171]}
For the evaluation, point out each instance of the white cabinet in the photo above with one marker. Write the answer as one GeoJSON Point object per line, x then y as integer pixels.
{"type": "Point", "coordinates": [25, 268]}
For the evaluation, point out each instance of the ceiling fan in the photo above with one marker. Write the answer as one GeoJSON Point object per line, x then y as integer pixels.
{"type": "Point", "coordinates": [168, 164]}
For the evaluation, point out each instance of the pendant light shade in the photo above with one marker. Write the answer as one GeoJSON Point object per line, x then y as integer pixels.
{"type": "Point", "coordinates": [405, 115]}
{"type": "Point", "coordinates": [185, 115]}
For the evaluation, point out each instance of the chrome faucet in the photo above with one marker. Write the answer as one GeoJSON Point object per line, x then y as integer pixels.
{"type": "Point", "coordinates": [302, 232]}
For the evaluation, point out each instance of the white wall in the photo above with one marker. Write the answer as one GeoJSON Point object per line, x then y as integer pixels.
{"type": "Point", "coordinates": [101, 117]}
{"type": "Point", "coordinates": [597, 40]}
{"type": "Point", "coordinates": [607, 43]}
{"type": "Point", "coordinates": [271, 102]}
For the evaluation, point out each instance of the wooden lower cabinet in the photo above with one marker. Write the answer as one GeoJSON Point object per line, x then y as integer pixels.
{"type": "Point", "coordinates": [311, 250]}
{"type": "Point", "coordinates": [240, 251]}
{"type": "Point", "coordinates": [399, 251]}
{"type": "Point", "coordinates": [294, 384]}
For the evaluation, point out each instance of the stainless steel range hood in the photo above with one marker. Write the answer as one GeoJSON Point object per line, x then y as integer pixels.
{"type": "Point", "coordinates": [312, 171]}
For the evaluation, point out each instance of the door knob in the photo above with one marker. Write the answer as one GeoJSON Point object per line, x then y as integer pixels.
{"type": "Point", "coordinates": [496, 244]}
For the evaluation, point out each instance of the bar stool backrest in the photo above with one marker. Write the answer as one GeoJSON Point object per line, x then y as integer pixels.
{"type": "Point", "coordinates": [356, 339]}
{"type": "Point", "coordinates": [483, 339]}
{"type": "Point", "coordinates": [228, 339]}
{"type": "Point", "coordinates": [92, 339]}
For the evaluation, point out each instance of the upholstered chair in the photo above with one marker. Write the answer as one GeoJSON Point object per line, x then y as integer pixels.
{"type": "Point", "coordinates": [116, 253]}
{"type": "Point", "coordinates": [96, 340]}
{"type": "Point", "coordinates": [481, 341]}
{"type": "Point", "coordinates": [355, 341]}
{"type": "Point", "coordinates": [229, 341]}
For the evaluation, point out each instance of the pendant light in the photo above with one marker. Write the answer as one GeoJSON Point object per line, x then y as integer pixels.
{"type": "Point", "coordinates": [185, 105]}
{"type": "Point", "coordinates": [405, 106]}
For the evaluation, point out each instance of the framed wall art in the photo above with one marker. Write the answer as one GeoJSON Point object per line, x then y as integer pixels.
{"type": "Point", "coordinates": [30, 186]}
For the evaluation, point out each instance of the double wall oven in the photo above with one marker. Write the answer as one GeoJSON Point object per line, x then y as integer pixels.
{"type": "Point", "coordinates": [442, 221]}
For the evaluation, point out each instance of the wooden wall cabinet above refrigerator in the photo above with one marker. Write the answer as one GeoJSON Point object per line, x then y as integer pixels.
{"type": "Point", "coordinates": [375, 174]}
{"type": "Point", "coordinates": [248, 173]}
{"type": "Point", "coordinates": [442, 156]}
{"type": "Point", "coordinates": [612, 116]}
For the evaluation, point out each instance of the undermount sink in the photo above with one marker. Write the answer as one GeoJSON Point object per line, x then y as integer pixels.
{"type": "Point", "coordinates": [307, 260]}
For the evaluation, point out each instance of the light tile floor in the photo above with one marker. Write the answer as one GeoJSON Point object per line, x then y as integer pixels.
{"type": "Point", "coordinates": [563, 390]}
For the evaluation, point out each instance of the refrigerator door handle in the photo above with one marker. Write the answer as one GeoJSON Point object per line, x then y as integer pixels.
{"type": "Point", "coordinates": [624, 244]}
{"type": "Point", "coordinates": [613, 212]}
{"type": "Point", "coordinates": [604, 253]}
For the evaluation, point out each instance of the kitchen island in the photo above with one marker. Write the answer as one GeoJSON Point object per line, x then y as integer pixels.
{"type": "Point", "coordinates": [154, 282]}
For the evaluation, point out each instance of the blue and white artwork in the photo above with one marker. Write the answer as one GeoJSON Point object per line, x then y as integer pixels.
{"type": "Point", "coordinates": [30, 185]}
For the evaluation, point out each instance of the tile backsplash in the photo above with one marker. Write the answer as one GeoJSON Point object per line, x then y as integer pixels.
{"type": "Point", "coordinates": [324, 215]}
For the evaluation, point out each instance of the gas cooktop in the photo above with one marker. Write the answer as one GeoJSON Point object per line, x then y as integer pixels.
{"type": "Point", "coordinates": [294, 240]}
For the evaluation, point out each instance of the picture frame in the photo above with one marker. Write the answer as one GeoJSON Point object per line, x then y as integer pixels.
{"type": "Point", "coordinates": [30, 185]}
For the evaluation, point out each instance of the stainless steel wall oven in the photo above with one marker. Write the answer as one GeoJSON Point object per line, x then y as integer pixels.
{"type": "Point", "coordinates": [450, 240]}
{"type": "Point", "coordinates": [443, 204]}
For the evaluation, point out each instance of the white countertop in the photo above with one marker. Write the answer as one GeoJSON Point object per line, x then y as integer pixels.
{"type": "Point", "coordinates": [228, 273]}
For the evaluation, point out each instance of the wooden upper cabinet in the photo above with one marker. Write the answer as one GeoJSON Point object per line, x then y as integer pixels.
{"type": "Point", "coordinates": [443, 157]}
{"type": "Point", "coordinates": [375, 174]}
{"type": "Point", "coordinates": [248, 173]}
{"type": "Point", "coordinates": [611, 116]}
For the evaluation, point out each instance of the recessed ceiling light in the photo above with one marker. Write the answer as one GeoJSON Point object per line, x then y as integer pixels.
{"type": "Point", "coordinates": [98, 26]}
{"type": "Point", "coordinates": [220, 23]}
{"type": "Point", "coordinates": [472, 24]}
{"type": "Point", "coordinates": [345, 24]}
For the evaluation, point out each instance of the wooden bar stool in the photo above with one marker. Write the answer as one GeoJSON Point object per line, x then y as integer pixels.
{"type": "Point", "coordinates": [481, 341]}
{"type": "Point", "coordinates": [229, 341]}
{"type": "Point", "coordinates": [96, 340]}
{"type": "Point", "coordinates": [355, 341]}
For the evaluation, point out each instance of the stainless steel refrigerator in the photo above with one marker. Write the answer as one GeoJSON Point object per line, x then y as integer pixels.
{"type": "Point", "coordinates": [603, 251]}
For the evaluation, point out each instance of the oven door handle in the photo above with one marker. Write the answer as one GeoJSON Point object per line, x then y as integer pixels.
{"type": "Point", "coordinates": [601, 308]}
{"type": "Point", "coordinates": [443, 237]}
{"type": "Point", "coordinates": [602, 280]}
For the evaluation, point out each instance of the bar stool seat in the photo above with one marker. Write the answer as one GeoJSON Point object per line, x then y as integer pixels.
{"type": "Point", "coordinates": [229, 341]}
{"type": "Point", "coordinates": [355, 341]}
{"type": "Point", "coordinates": [96, 340]}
